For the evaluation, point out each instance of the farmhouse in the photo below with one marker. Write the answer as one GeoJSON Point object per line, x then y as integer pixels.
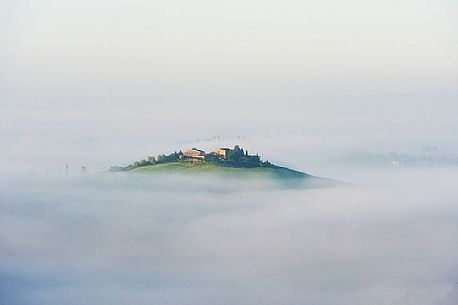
{"type": "Point", "coordinates": [194, 154]}
{"type": "Point", "coordinates": [237, 157]}
{"type": "Point", "coordinates": [198, 153]}
{"type": "Point", "coordinates": [221, 152]}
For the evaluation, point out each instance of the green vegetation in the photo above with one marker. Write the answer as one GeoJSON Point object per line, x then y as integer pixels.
{"type": "Point", "coordinates": [237, 158]}
{"type": "Point", "coordinates": [207, 167]}
{"type": "Point", "coordinates": [224, 162]}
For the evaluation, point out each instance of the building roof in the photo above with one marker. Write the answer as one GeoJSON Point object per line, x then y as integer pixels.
{"type": "Point", "coordinates": [200, 150]}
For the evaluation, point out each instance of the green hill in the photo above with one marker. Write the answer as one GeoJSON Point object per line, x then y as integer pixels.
{"type": "Point", "coordinates": [203, 167]}
{"type": "Point", "coordinates": [278, 174]}
{"type": "Point", "coordinates": [225, 163]}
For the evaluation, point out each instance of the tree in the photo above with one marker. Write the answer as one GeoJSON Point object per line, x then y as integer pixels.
{"type": "Point", "coordinates": [238, 152]}
{"type": "Point", "coordinates": [161, 158]}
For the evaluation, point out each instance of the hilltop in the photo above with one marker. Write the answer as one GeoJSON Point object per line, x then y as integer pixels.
{"type": "Point", "coordinates": [222, 157]}
{"type": "Point", "coordinates": [225, 162]}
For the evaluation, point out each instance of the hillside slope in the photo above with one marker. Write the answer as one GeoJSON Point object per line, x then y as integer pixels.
{"type": "Point", "coordinates": [282, 175]}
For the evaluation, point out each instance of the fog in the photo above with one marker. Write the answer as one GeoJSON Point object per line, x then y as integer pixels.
{"type": "Point", "coordinates": [303, 83]}
{"type": "Point", "coordinates": [95, 83]}
{"type": "Point", "coordinates": [117, 239]}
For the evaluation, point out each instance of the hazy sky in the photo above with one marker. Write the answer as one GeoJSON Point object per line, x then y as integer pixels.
{"type": "Point", "coordinates": [229, 48]}
{"type": "Point", "coordinates": [144, 77]}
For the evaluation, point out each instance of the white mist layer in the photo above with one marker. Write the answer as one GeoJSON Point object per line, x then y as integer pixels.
{"type": "Point", "coordinates": [122, 239]}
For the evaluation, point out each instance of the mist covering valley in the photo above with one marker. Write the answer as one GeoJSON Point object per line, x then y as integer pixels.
{"type": "Point", "coordinates": [66, 237]}
{"type": "Point", "coordinates": [117, 238]}
{"type": "Point", "coordinates": [389, 237]}
{"type": "Point", "coordinates": [362, 92]}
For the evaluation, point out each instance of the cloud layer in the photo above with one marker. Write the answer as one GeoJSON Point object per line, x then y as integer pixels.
{"type": "Point", "coordinates": [149, 240]}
